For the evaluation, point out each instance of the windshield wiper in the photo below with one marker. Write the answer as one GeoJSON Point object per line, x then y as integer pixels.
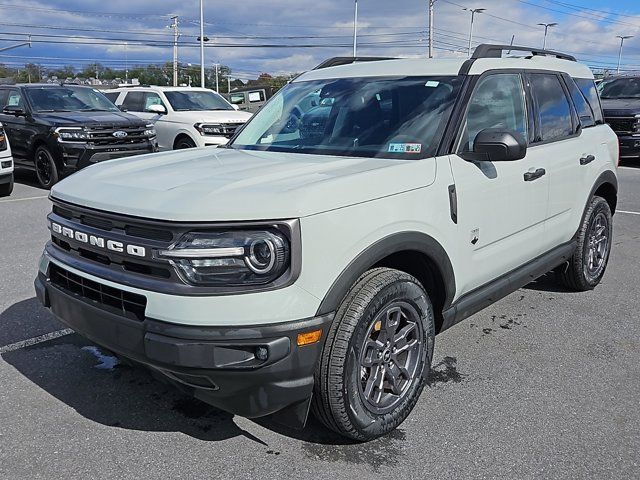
{"type": "Point", "coordinates": [53, 111]}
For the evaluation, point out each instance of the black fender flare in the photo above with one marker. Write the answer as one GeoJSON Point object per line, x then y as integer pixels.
{"type": "Point", "coordinates": [398, 242]}
{"type": "Point", "coordinates": [606, 177]}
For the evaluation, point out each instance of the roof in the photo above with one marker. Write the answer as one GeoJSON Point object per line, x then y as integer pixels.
{"type": "Point", "coordinates": [417, 67]}
{"type": "Point", "coordinates": [155, 87]}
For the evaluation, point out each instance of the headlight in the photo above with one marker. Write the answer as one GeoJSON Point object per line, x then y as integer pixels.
{"type": "Point", "coordinates": [72, 134]}
{"type": "Point", "coordinates": [150, 130]}
{"type": "Point", "coordinates": [209, 129]}
{"type": "Point", "coordinates": [231, 258]}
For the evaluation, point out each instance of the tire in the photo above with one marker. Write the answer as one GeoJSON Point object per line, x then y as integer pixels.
{"type": "Point", "coordinates": [46, 168]}
{"type": "Point", "coordinates": [346, 398]}
{"type": "Point", "coordinates": [184, 142]}
{"type": "Point", "coordinates": [586, 267]}
{"type": "Point", "coordinates": [7, 188]}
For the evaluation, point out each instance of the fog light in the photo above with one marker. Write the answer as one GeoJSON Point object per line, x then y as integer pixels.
{"type": "Point", "coordinates": [262, 353]}
{"type": "Point", "coordinates": [307, 338]}
{"type": "Point", "coordinates": [6, 164]}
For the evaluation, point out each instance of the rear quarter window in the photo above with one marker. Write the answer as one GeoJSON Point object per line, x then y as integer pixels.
{"type": "Point", "coordinates": [588, 88]}
{"type": "Point", "coordinates": [584, 110]}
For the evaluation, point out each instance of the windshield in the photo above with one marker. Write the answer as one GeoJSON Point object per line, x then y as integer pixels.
{"type": "Point", "coordinates": [621, 88]}
{"type": "Point", "coordinates": [68, 99]}
{"type": "Point", "coordinates": [368, 117]}
{"type": "Point", "coordinates": [186, 101]}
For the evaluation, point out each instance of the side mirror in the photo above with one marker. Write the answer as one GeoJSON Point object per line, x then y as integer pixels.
{"type": "Point", "coordinates": [235, 107]}
{"type": "Point", "coordinates": [497, 145]}
{"type": "Point", "coordinates": [157, 108]}
{"type": "Point", "coordinates": [13, 110]}
{"type": "Point", "coordinates": [122, 108]}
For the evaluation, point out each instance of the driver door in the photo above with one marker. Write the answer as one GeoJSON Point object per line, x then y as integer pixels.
{"type": "Point", "coordinates": [501, 215]}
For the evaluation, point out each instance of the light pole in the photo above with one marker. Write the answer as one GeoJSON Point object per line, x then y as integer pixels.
{"type": "Point", "coordinates": [431, 3]}
{"type": "Point", "coordinates": [217, 81]}
{"type": "Point", "coordinates": [23, 44]}
{"type": "Point", "coordinates": [355, 30]}
{"type": "Point", "coordinates": [473, 12]}
{"type": "Point", "coordinates": [202, 43]}
{"type": "Point", "coordinates": [546, 27]}
{"type": "Point", "coordinates": [126, 62]}
{"type": "Point", "coordinates": [622, 39]}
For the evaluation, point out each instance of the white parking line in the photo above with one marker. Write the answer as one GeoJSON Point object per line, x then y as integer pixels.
{"type": "Point", "coordinates": [628, 213]}
{"type": "Point", "coordinates": [23, 199]}
{"type": "Point", "coordinates": [35, 340]}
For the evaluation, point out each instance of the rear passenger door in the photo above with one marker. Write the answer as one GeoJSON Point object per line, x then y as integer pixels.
{"type": "Point", "coordinates": [500, 215]}
{"type": "Point", "coordinates": [139, 102]}
{"type": "Point", "coordinates": [559, 144]}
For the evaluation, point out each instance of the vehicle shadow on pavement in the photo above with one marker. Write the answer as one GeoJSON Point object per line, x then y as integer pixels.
{"type": "Point", "coordinates": [76, 373]}
{"type": "Point", "coordinates": [548, 283]}
{"type": "Point", "coordinates": [27, 177]}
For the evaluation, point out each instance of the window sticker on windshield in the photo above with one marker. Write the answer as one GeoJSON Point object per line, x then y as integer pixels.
{"type": "Point", "coordinates": [405, 148]}
{"type": "Point", "coordinates": [432, 84]}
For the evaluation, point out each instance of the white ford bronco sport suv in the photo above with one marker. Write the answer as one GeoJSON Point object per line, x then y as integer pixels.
{"type": "Point", "coordinates": [184, 117]}
{"type": "Point", "coordinates": [6, 165]}
{"type": "Point", "coordinates": [310, 263]}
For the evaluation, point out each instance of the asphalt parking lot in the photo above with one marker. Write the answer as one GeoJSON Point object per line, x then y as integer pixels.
{"type": "Point", "coordinates": [543, 384]}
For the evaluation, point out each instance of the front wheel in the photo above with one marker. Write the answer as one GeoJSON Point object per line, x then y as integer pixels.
{"type": "Point", "coordinates": [46, 168]}
{"type": "Point", "coordinates": [184, 142]}
{"type": "Point", "coordinates": [587, 265]}
{"type": "Point", "coordinates": [376, 357]}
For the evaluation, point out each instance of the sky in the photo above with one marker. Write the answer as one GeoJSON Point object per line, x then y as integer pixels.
{"type": "Point", "coordinates": [287, 36]}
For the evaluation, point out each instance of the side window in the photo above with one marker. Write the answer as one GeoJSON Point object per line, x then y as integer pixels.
{"type": "Point", "coordinates": [582, 107]}
{"type": "Point", "coordinates": [237, 98]}
{"type": "Point", "coordinates": [112, 96]}
{"type": "Point", "coordinates": [590, 92]}
{"type": "Point", "coordinates": [257, 96]}
{"type": "Point", "coordinates": [554, 109]}
{"type": "Point", "coordinates": [151, 98]}
{"type": "Point", "coordinates": [133, 101]}
{"type": "Point", "coordinates": [497, 102]}
{"type": "Point", "coordinates": [14, 99]}
{"type": "Point", "coordinates": [3, 98]}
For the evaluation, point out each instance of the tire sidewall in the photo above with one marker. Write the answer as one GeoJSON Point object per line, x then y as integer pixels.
{"type": "Point", "coordinates": [54, 168]}
{"type": "Point", "coordinates": [369, 424]}
{"type": "Point", "coordinates": [599, 205]}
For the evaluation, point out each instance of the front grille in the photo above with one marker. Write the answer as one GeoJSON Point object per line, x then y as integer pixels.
{"type": "Point", "coordinates": [623, 125]}
{"type": "Point", "coordinates": [114, 300]}
{"type": "Point", "coordinates": [103, 135]}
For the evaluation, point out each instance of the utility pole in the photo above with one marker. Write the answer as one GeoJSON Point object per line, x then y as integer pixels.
{"type": "Point", "coordinates": [473, 12]}
{"type": "Point", "coordinates": [355, 30]}
{"type": "Point", "coordinates": [228, 84]}
{"type": "Point", "coordinates": [217, 82]}
{"type": "Point", "coordinates": [546, 27]}
{"type": "Point", "coordinates": [176, 34]}
{"type": "Point", "coordinates": [202, 43]}
{"type": "Point", "coordinates": [431, 3]}
{"type": "Point", "coordinates": [622, 39]}
{"type": "Point", "coordinates": [126, 62]}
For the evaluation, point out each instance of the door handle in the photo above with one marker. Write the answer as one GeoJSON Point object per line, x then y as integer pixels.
{"type": "Point", "coordinates": [531, 176]}
{"type": "Point", "coordinates": [586, 160]}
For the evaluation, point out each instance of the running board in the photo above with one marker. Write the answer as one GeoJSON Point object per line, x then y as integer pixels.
{"type": "Point", "coordinates": [493, 291]}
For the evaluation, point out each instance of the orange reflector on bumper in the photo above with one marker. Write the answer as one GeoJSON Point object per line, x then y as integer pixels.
{"type": "Point", "coordinates": [308, 338]}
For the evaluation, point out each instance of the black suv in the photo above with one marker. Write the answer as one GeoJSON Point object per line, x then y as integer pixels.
{"type": "Point", "coordinates": [621, 105]}
{"type": "Point", "coordinates": [58, 129]}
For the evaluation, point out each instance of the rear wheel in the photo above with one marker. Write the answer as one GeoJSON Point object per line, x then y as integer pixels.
{"type": "Point", "coordinates": [377, 355]}
{"type": "Point", "coordinates": [184, 142]}
{"type": "Point", "coordinates": [6, 188]}
{"type": "Point", "coordinates": [46, 168]}
{"type": "Point", "coordinates": [587, 265]}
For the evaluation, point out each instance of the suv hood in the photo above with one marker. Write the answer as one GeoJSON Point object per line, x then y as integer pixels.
{"type": "Point", "coordinates": [209, 184]}
{"type": "Point", "coordinates": [620, 106]}
{"type": "Point", "coordinates": [213, 116]}
{"type": "Point", "coordinates": [62, 119]}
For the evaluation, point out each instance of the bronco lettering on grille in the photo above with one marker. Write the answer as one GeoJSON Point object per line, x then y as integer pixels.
{"type": "Point", "coordinates": [99, 242]}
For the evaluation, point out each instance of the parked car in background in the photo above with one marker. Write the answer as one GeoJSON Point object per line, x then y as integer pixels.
{"type": "Point", "coordinates": [621, 105]}
{"type": "Point", "coordinates": [184, 117]}
{"type": "Point", "coordinates": [251, 99]}
{"type": "Point", "coordinates": [6, 165]}
{"type": "Point", "coordinates": [58, 129]}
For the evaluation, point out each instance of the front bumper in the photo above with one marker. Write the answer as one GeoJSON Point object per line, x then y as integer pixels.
{"type": "Point", "coordinates": [629, 146]}
{"type": "Point", "coordinates": [6, 178]}
{"type": "Point", "coordinates": [218, 365]}
{"type": "Point", "coordinates": [79, 155]}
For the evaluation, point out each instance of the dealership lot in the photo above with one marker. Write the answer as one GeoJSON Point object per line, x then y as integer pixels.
{"type": "Point", "coordinates": [545, 383]}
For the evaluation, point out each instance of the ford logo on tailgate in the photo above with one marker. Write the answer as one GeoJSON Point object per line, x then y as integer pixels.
{"type": "Point", "coordinates": [120, 134]}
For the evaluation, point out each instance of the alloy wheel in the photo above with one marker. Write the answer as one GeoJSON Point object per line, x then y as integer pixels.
{"type": "Point", "coordinates": [597, 246]}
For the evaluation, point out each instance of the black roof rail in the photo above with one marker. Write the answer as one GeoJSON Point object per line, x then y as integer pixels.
{"type": "Point", "coordinates": [336, 61]}
{"type": "Point", "coordinates": [487, 50]}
